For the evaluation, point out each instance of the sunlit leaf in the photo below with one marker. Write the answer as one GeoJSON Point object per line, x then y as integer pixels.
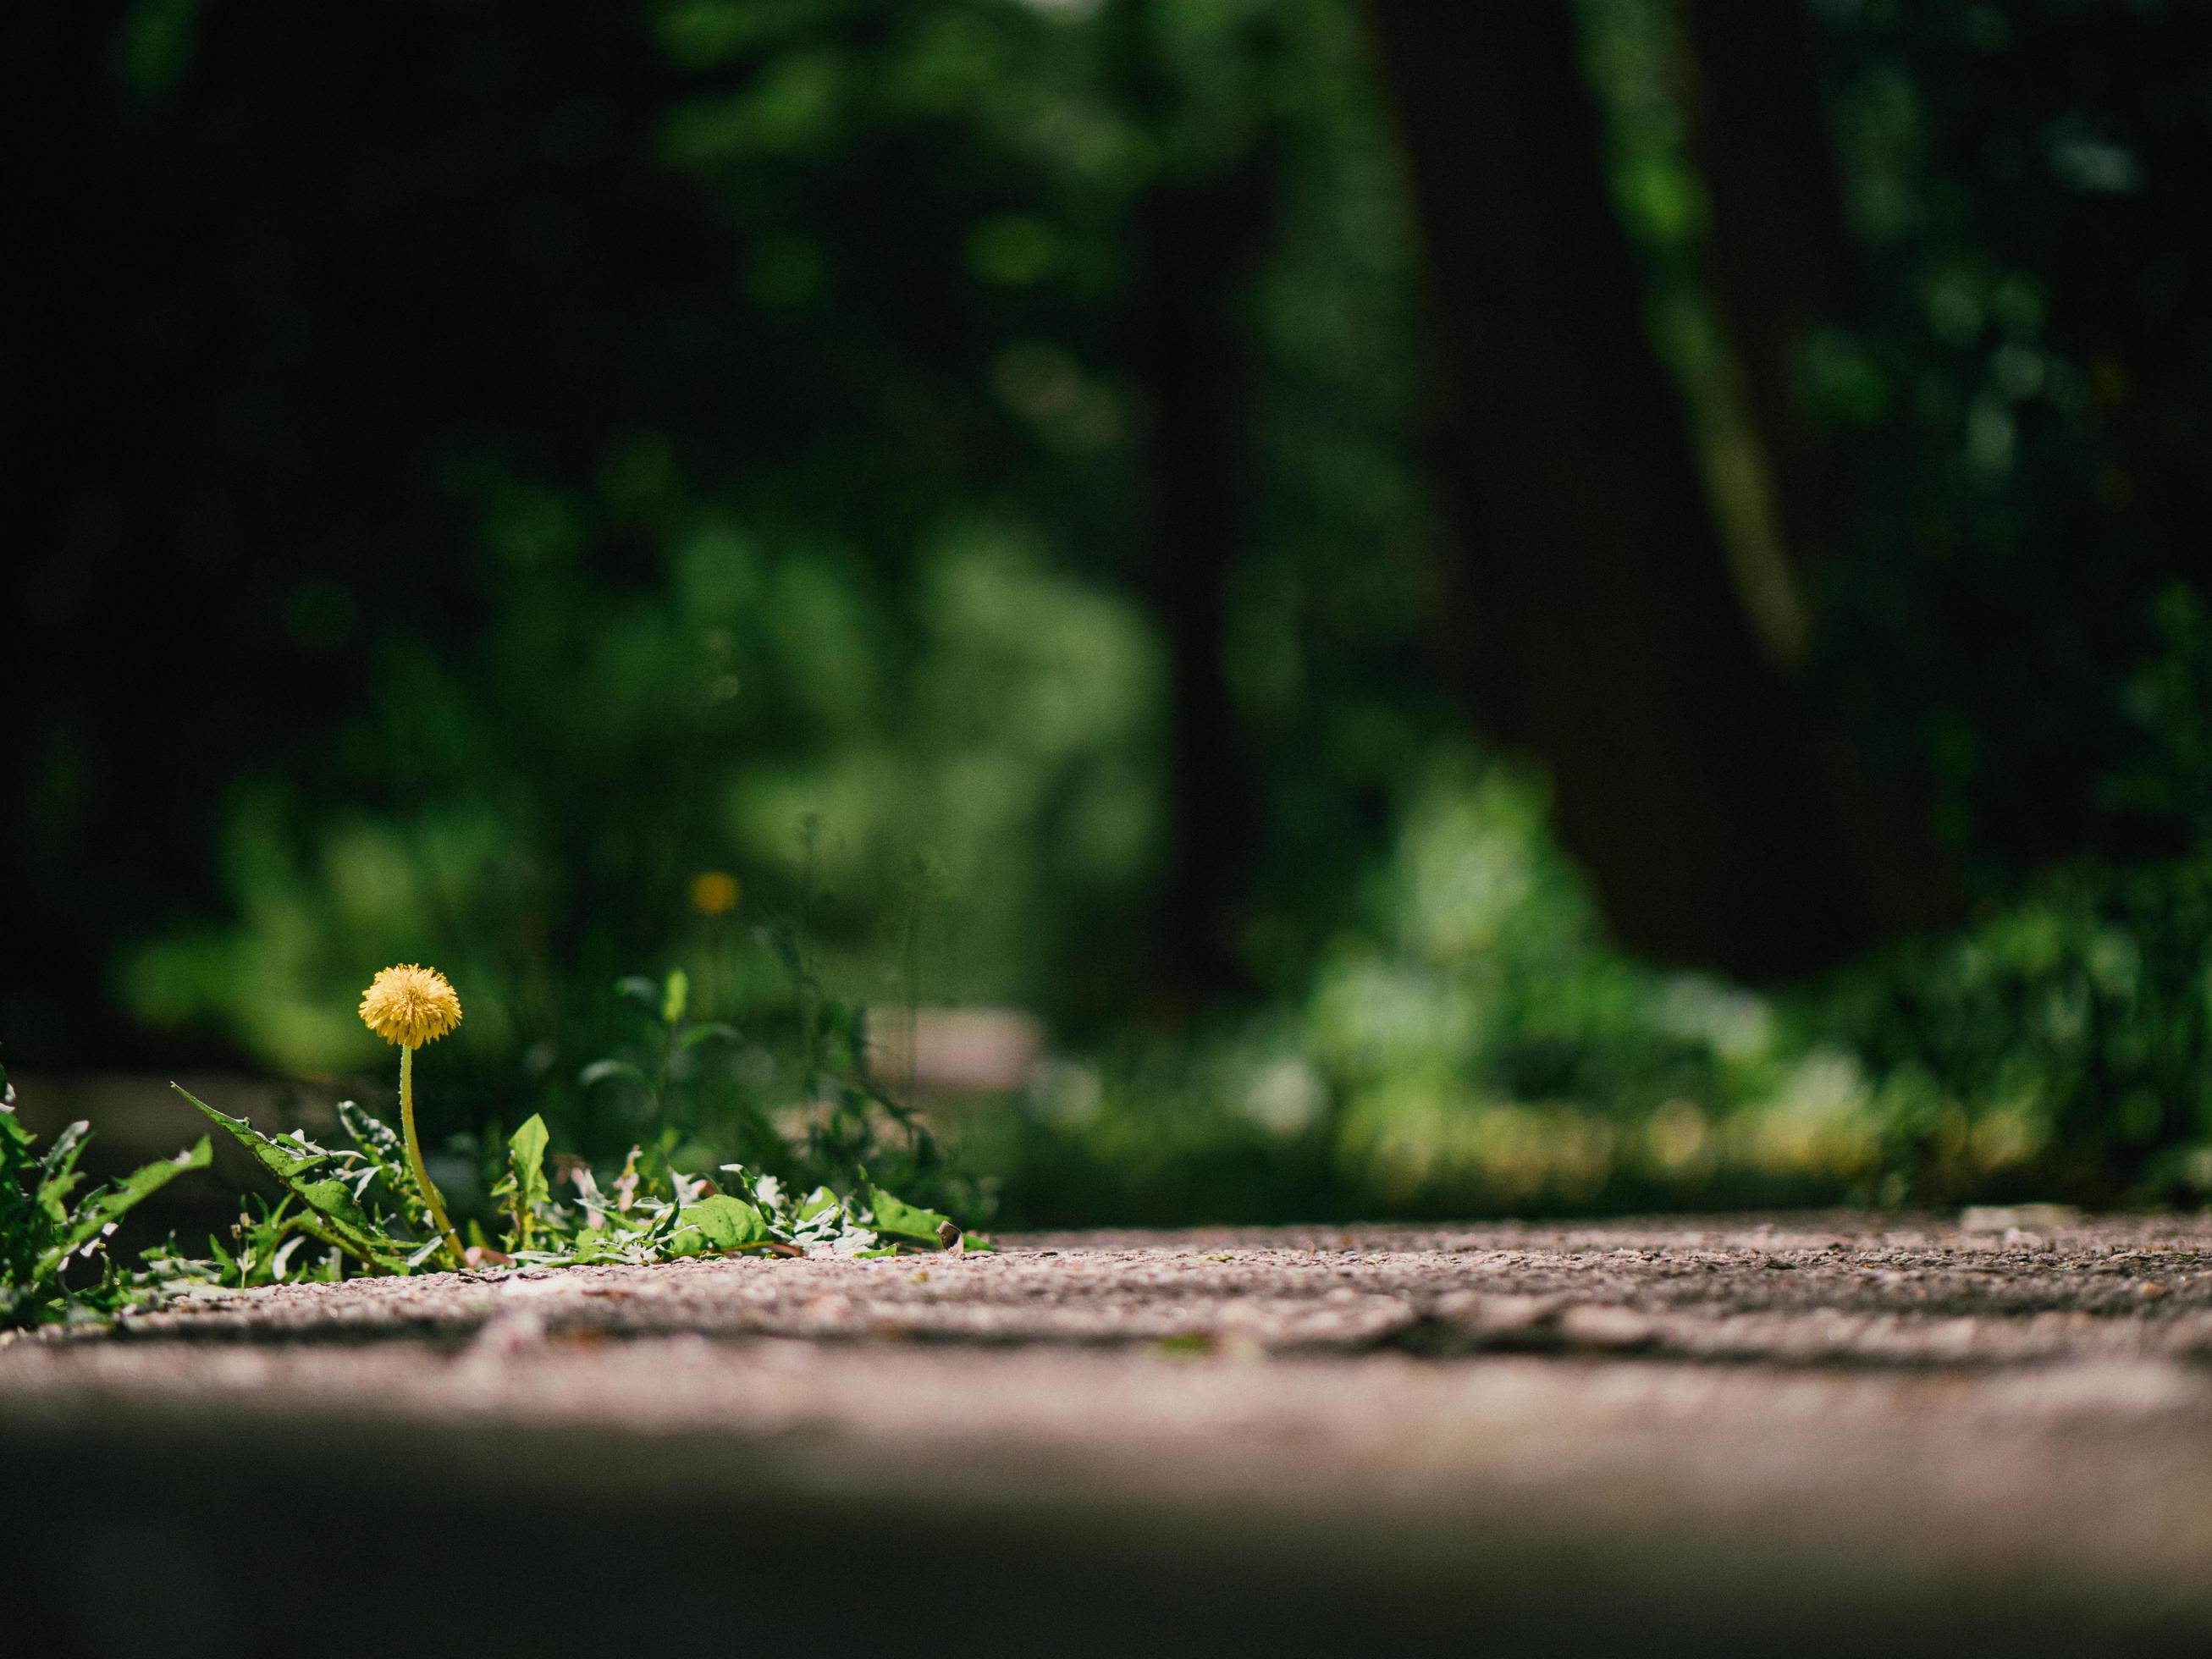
{"type": "Point", "coordinates": [896, 1215]}
{"type": "Point", "coordinates": [525, 1188]}
{"type": "Point", "coordinates": [380, 1143]}
{"type": "Point", "coordinates": [726, 1223]}
{"type": "Point", "coordinates": [336, 1211]}
{"type": "Point", "coordinates": [111, 1204]}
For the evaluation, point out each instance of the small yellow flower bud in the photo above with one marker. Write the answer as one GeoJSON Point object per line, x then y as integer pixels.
{"type": "Point", "coordinates": [714, 893]}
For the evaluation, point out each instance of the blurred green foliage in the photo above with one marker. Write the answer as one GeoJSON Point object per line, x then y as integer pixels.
{"type": "Point", "coordinates": [1474, 1046]}
{"type": "Point", "coordinates": [526, 459]}
{"type": "Point", "coordinates": [738, 433]}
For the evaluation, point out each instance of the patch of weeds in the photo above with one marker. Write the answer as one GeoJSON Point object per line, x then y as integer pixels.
{"type": "Point", "coordinates": [361, 1201]}
{"type": "Point", "coordinates": [838, 1125]}
{"type": "Point", "coordinates": [367, 1208]}
{"type": "Point", "coordinates": [54, 1265]}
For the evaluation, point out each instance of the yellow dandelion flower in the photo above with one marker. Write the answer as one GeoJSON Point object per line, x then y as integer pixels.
{"type": "Point", "coordinates": [714, 892]}
{"type": "Point", "coordinates": [411, 1006]}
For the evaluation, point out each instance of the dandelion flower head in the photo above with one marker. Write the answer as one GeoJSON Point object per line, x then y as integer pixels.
{"type": "Point", "coordinates": [411, 1006]}
{"type": "Point", "coordinates": [714, 892]}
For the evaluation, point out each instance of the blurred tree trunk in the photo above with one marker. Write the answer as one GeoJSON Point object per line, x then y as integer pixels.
{"type": "Point", "coordinates": [1781, 262]}
{"type": "Point", "coordinates": [1201, 233]}
{"type": "Point", "coordinates": [1783, 266]}
{"type": "Point", "coordinates": [1601, 624]}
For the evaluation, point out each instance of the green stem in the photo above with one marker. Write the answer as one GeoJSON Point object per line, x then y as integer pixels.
{"type": "Point", "coordinates": [415, 1156]}
{"type": "Point", "coordinates": [339, 1244]}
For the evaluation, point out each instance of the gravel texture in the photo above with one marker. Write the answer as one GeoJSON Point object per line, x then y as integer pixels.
{"type": "Point", "coordinates": [1846, 1434]}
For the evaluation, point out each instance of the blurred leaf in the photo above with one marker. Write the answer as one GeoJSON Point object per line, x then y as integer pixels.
{"type": "Point", "coordinates": [698, 1034]}
{"type": "Point", "coordinates": [639, 988]}
{"type": "Point", "coordinates": [896, 1215]}
{"type": "Point", "coordinates": [726, 1223]}
{"type": "Point", "coordinates": [601, 1070]}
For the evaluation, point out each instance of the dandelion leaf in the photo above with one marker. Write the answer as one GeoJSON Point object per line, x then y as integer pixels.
{"type": "Point", "coordinates": [111, 1204]}
{"type": "Point", "coordinates": [379, 1143]}
{"type": "Point", "coordinates": [904, 1220]}
{"type": "Point", "coordinates": [525, 1151]}
{"type": "Point", "coordinates": [726, 1223]}
{"type": "Point", "coordinates": [338, 1213]}
{"type": "Point", "coordinates": [522, 1191]}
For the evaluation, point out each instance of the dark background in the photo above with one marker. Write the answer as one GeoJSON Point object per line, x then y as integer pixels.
{"type": "Point", "coordinates": [1476, 606]}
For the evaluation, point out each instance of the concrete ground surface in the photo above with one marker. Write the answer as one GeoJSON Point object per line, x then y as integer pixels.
{"type": "Point", "coordinates": [1832, 1433]}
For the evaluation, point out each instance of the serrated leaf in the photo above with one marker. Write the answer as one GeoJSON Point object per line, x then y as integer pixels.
{"type": "Point", "coordinates": [58, 1174]}
{"type": "Point", "coordinates": [15, 1139]}
{"type": "Point", "coordinates": [333, 1200]}
{"type": "Point", "coordinates": [379, 1144]}
{"type": "Point", "coordinates": [336, 1211]}
{"type": "Point", "coordinates": [110, 1203]}
{"type": "Point", "coordinates": [61, 1158]}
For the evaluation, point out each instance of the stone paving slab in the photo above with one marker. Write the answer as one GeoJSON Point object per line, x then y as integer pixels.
{"type": "Point", "coordinates": [1842, 1433]}
{"type": "Point", "coordinates": [1818, 1290]}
